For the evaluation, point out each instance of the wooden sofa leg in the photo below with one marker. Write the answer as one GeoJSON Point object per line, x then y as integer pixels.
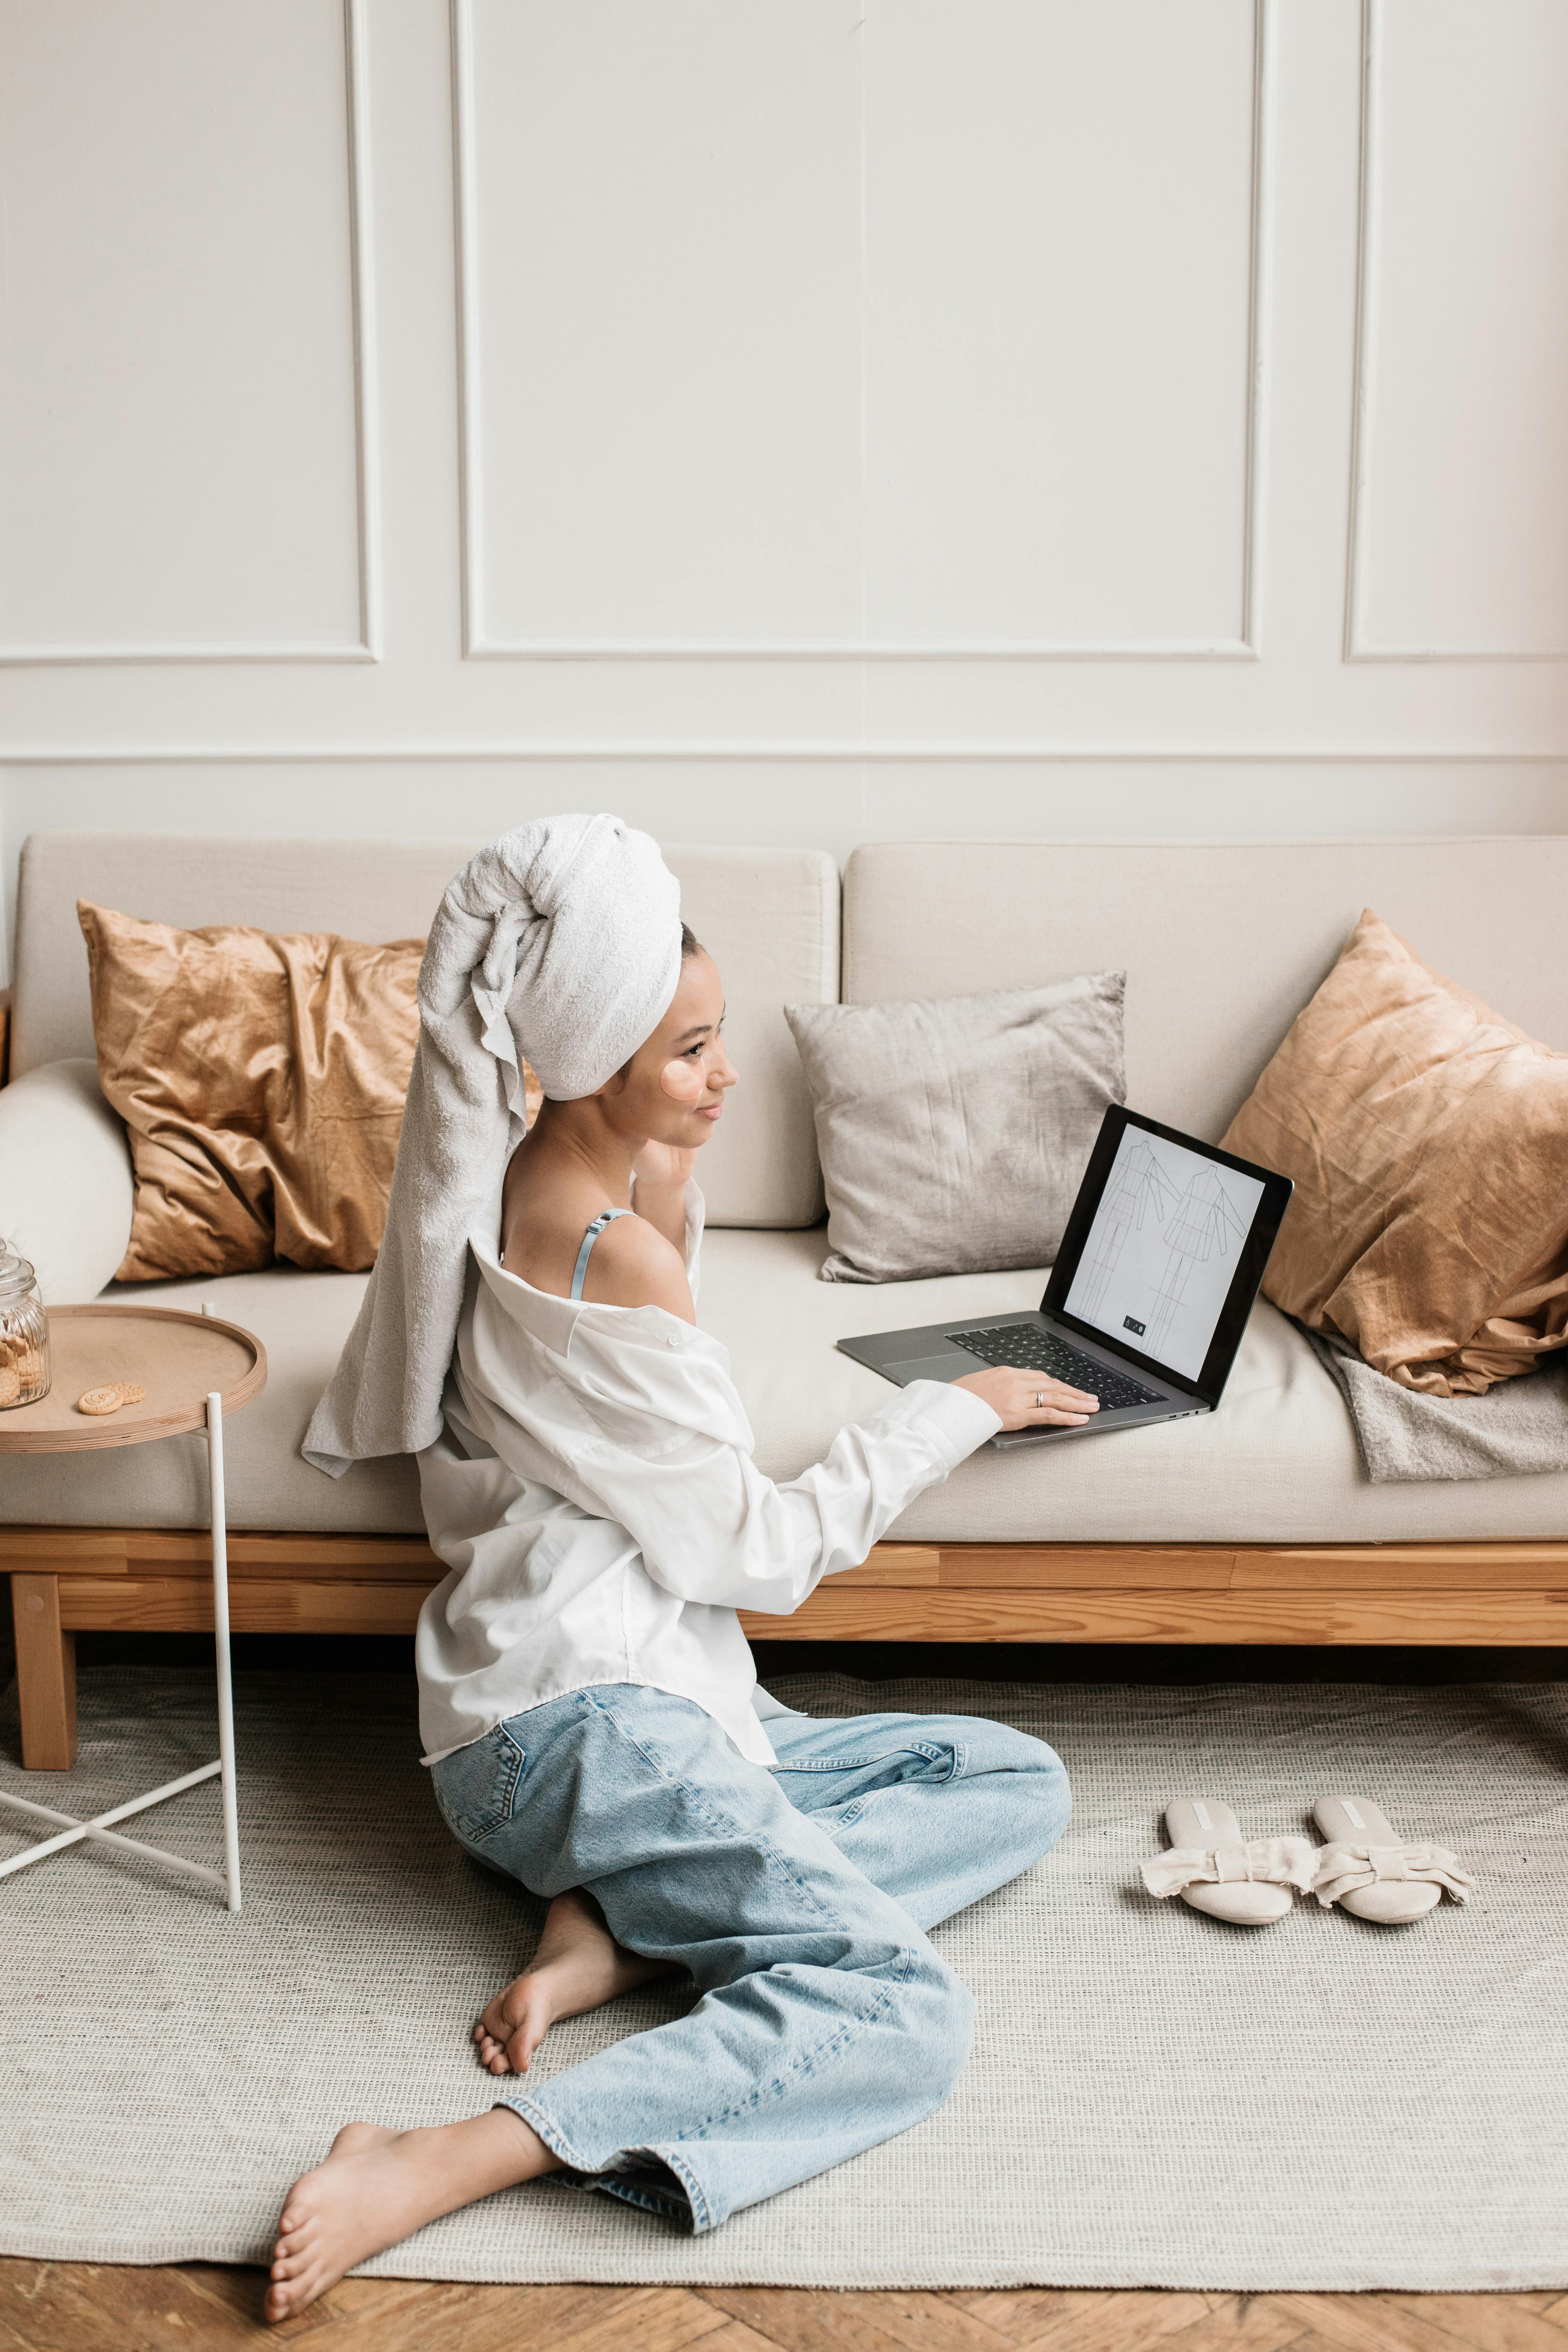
{"type": "Point", "coordinates": [46, 1675]}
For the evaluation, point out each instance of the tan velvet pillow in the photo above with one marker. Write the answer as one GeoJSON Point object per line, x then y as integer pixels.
{"type": "Point", "coordinates": [261, 1080]}
{"type": "Point", "coordinates": [1428, 1140]}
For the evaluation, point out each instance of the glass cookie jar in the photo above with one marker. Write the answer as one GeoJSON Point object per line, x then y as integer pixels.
{"type": "Point", "coordinates": [23, 1333]}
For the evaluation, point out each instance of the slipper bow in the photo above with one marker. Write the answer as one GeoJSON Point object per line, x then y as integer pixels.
{"type": "Point", "coordinates": [1274, 1861]}
{"type": "Point", "coordinates": [1348, 1869]}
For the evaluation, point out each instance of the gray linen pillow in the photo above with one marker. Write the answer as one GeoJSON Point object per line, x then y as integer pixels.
{"type": "Point", "coordinates": [955, 1134]}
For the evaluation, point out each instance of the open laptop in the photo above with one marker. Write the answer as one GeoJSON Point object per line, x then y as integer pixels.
{"type": "Point", "coordinates": [1159, 1268]}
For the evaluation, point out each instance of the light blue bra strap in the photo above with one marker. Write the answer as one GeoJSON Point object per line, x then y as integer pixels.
{"type": "Point", "coordinates": [589, 1238]}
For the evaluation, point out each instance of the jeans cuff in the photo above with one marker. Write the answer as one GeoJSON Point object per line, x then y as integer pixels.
{"type": "Point", "coordinates": [655, 2178]}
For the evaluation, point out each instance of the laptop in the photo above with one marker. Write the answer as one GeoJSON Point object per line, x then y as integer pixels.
{"type": "Point", "coordinates": [1159, 1268]}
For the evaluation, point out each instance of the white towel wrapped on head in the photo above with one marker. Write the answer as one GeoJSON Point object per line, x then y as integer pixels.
{"type": "Point", "coordinates": [559, 944]}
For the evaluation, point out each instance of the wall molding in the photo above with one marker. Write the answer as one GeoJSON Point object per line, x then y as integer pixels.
{"type": "Point", "coordinates": [709, 753]}
{"type": "Point", "coordinates": [480, 646]}
{"type": "Point", "coordinates": [367, 413]}
{"type": "Point", "coordinates": [1357, 646]}
{"type": "Point", "coordinates": [368, 648]}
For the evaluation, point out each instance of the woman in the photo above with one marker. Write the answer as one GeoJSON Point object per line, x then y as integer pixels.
{"type": "Point", "coordinates": [588, 1702]}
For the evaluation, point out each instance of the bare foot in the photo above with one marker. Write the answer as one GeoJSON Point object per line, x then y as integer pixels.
{"type": "Point", "coordinates": [379, 2186]}
{"type": "Point", "coordinates": [579, 1966]}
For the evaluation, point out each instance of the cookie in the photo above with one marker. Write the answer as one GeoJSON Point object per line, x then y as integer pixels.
{"type": "Point", "coordinates": [111, 1399]}
{"type": "Point", "coordinates": [10, 1386]}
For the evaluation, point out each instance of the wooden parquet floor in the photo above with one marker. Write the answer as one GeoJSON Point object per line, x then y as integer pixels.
{"type": "Point", "coordinates": [80, 2307]}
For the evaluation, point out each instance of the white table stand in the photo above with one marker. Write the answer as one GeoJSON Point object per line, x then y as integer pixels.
{"type": "Point", "coordinates": [156, 1417]}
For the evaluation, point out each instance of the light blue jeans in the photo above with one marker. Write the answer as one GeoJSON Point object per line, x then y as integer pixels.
{"type": "Point", "coordinates": [796, 1898]}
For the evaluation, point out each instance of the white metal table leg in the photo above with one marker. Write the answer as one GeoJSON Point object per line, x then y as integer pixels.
{"type": "Point", "coordinates": [220, 1639]}
{"type": "Point", "coordinates": [98, 1831]}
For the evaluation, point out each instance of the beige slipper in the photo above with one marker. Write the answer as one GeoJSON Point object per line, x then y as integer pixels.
{"type": "Point", "coordinates": [1366, 1869]}
{"type": "Point", "coordinates": [1210, 1865]}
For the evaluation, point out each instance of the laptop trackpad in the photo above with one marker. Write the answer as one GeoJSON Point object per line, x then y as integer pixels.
{"type": "Point", "coordinates": [949, 1366]}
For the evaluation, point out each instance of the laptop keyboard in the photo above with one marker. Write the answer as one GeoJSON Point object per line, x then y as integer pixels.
{"type": "Point", "coordinates": [1035, 1349]}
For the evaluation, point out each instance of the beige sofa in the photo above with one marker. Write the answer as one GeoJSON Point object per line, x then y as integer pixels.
{"type": "Point", "coordinates": [1257, 1524]}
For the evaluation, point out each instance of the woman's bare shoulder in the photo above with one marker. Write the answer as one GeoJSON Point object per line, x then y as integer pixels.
{"type": "Point", "coordinates": [632, 1264]}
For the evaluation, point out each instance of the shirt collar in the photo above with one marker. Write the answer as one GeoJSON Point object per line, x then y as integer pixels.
{"type": "Point", "coordinates": [553, 1321]}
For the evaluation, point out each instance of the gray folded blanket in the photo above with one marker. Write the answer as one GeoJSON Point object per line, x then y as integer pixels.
{"type": "Point", "coordinates": [1519, 1426]}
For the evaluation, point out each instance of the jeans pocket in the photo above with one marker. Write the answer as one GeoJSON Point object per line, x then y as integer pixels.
{"type": "Point", "coordinates": [476, 1786]}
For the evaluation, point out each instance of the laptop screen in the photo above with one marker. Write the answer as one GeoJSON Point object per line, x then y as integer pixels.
{"type": "Point", "coordinates": [1161, 1252]}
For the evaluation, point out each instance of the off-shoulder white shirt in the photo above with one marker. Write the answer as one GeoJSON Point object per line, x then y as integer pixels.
{"type": "Point", "coordinates": [594, 1496]}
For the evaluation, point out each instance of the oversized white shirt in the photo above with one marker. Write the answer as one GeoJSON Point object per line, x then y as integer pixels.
{"type": "Point", "coordinates": [594, 1496]}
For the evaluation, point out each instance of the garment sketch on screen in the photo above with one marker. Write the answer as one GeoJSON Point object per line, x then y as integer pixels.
{"type": "Point", "coordinates": [1140, 1183]}
{"type": "Point", "coordinates": [1194, 1232]}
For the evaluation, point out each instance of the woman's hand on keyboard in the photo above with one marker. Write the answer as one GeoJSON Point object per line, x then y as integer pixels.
{"type": "Point", "coordinates": [1013, 1394]}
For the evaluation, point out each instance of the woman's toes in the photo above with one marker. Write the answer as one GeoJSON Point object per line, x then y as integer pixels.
{"type": "Point", "coordinates": [512, 2028]}
{"type": "Point", "coordinates": [493, 2020]}
{"type": "Point", "coordinates": [283, 2301]}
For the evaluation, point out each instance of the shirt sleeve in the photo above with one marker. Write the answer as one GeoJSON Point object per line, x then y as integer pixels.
{"type": "Point", "coordinates": [712, 1528]}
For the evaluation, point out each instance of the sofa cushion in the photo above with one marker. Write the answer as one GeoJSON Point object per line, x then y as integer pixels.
{"type": "Point", "coordinates": [1425, 1138]}
{"type": "Point", "coordinates": [953, 1134]}
{"type": "Point", "coordinates": [65, 1191]}
{"type": "Point", "coordinates": [262, 1077]}
{"type": "Point", "coordinates": [1222, 942]}
{"type": "Point", "coordinates": [1278, 1464]}
{"type": "Point", "coordinates": [769, 917]}
{"type": "Point", "coordinates": [301, 1320]}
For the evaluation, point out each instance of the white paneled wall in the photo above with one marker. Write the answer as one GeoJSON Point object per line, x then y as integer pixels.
{"type": "Point", "coordinates": [1463, 335]}
{"type": "Point", "coordinates": [785, 419]}
{"type": "Point", "coordinates": [183, 418]}
{"type": "Point", "coordinates": [661, 324]}
{"type": "Point", "coordinates": [1061, 271]}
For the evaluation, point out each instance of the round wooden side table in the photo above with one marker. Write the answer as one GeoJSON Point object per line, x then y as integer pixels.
{"type": "Point", "coordinates": [195, 1369]}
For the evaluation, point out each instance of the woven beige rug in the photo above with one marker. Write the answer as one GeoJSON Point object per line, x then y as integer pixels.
{"type": "Point", "coordinates": [1156, 2100]}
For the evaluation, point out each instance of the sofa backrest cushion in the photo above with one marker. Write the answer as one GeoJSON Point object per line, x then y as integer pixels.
{"type": "Point", "coordinates": [1223, 943]}
{"type": "Point", "coordinates": [769, 916]}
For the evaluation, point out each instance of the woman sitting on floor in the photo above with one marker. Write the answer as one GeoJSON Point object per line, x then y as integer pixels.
{"type": "Point", "coordinates": [589, 1707]}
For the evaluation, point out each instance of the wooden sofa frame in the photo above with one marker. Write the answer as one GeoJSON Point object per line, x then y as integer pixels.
{"type": "Point", "coordinates": [66, 1579]}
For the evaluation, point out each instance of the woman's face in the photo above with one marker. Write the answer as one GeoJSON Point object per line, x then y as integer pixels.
{"type": "Point", "coordinates": [673, 1088]}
